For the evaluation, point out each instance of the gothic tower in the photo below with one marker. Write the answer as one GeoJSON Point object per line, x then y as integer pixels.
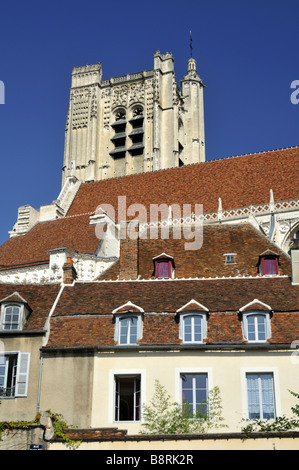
{"type": "Point", "coordinates": [134, 123]}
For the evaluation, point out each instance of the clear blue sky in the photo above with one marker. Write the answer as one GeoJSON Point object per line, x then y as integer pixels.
{"type": "Point", "coordinates": [246, 51]}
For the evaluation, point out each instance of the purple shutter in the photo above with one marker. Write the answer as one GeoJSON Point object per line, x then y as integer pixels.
{"type": "Point", "coordinates": [163, 269]}
{"type": "Point", "coordinates": [270, 266]}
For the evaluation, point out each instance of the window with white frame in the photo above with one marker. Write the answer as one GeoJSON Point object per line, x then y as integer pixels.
{"type": "Point", "coordinates": [14, 372]}
{"type": "Point", "coordinates": [128, 329]}
{"type": "Point", "coordinates": [193, 327]}
{"type": "Point", "coordinates": [12, 316]}
{"type": "Point", "coordinates": [256, 326]}
{"type": "Point", "coordinates": [194, 389]}
{"type": "Point", "coordinates": [260, 394]}
{"type": "Point", "coordinates": [127, 398]}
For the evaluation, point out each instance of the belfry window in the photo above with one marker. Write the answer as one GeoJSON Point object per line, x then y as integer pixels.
{"type": "Point", "coordinates": [119, 138]}
{"type": "Point", "coordinates": [137, 133]}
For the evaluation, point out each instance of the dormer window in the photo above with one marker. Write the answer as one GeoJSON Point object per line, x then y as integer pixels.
{"type": "Point", "coordinates": [128, 324]}
{"type": "Point", "coordinates": [230, 258]}
{"type": "Point", "coordinates": [12, 317]}
{"type": "Point", "coordinates": [193, 327]}
{"type": "Point", "coordinates": [164, 266]}
{"type": "Point", "coordinates": [268, 264]}
{"type": "Point", "coordinates": [193, 322]}
{"type": "Point", "coordinates": [256, 326]}
{"type": "Point", "coordinates": [14, 312]}
{"type": "Point", "coordinates": [256, 321]}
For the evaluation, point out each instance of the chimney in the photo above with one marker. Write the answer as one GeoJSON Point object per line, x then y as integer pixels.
{"type": "Point", "coordinates": [69, 272]}
{"type": "Point", "coordinates": [128, 259]}
{"type": "Point", "coordinates": [295, 264]}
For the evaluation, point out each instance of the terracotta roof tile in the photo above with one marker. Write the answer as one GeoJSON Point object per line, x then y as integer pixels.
{"type": "Point", "coordinates": [239, 181]}
{"type": "Point", "coordinates": [209, 261]}
{"type": "Point", "coordinates": [74, 233]}
{"type": "Point", "coordinates": [39, 298]}
{"type": "Point", "coordinates": [83, 316]}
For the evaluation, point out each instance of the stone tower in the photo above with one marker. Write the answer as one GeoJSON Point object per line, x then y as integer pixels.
{"type": "Point", "coordinates": [134, 123]}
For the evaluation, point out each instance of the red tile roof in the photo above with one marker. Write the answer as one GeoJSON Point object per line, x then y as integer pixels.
{"type": "Point", "coordinates": [83, 316]}
{"type": "Point", "coordinates": [39, 298]}
{"type": "Point", "coordinates": [239, 181]}
{"type": "Point", "coordinates": [74, 233]}
{"type": "Point", "coordinates": [246, 242]}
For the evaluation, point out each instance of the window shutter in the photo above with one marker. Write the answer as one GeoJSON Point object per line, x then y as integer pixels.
{"type": "Point", "coordinates": [22, 374]}
{"type": "Point", "coordinates": [270, 266]}
{"type": "Point", "coordinates": [163, 269]}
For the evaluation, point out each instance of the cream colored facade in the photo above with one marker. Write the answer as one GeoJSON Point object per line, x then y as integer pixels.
{"type": "Point", "coordinates": [83, 386]}
{"type": "Point", "coordinates": [134, 123]}
{"type": "Point", "coordinates": [26, 407]}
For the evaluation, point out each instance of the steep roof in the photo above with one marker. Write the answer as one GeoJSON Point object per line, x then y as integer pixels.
{"type": "Point", "coordinates": [243, 240]}
{"type": "Point", "coordinates": [39, 298]}
{"type": "Point", "coordinates": [74, 233]}
{"type": "Point", "coordinates": [83, 315]}
{"type": "Point", "coordinates": [239, 181]}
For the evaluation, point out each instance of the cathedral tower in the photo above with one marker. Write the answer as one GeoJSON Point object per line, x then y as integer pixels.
{"type": "Point", "coordinates": [134, 123]}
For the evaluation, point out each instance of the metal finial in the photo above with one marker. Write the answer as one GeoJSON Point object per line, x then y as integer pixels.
{"type": "Point", "coordinates": [191, 47]}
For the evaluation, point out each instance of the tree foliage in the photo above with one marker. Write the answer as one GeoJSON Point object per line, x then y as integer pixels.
{"type": "Point", "coordinates": [279, 424]}
{"type": "Point", "coordinates": [163, 416]}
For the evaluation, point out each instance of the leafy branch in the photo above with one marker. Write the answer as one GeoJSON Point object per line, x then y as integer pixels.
{"type": "Point", "coordinates": [163, 416]}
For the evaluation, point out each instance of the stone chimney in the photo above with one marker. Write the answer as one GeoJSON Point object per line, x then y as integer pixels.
{"type": "Point", "coordinates": [69, 272]}
{"type": "Point", "coordinates": [295, 264]}
{"type": "Point", "coordinates": [128, 259]}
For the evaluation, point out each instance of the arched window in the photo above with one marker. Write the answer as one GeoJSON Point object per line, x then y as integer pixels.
{"type": "Point", "coordinates": [12, 317]}
{"type": "Point", "coordinates": [193, 327]}
{"type": "Point", "coordinates": [128, 330]}
{"type": "Point", "coordinates": [256, 326]}
{"type": "Point", "coordinates": [137, 132]}
{"type": "Point", "coordinates": [119, 138]}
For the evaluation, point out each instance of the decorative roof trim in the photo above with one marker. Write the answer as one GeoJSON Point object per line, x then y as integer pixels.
{"type": "Point", "coordinates": [15, 297]}
{"type": "Point", "coordinates": [192, 302]}
{"type": "Point", "coordinates": [254, 302]}
{"type": "Point", "coordinates": [269, 252]}
{"type": "Point", "coordinates": [161, 256]}
{"type": "Point", "coordinates": [128, 306]}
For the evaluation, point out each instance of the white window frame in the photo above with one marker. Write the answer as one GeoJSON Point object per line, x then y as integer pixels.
{"type": "Point", "coordinates": [117, 397]}
{"type": "Point", "coordinates": [203, 317]}
{"type": "Point", "coordinates": [118, 327]}
{"type": "Point", "coordinates": [21, 374]}
{"type": "Point", "coordinates": [276, 388]}
{"type": "Point", "coordinates": [230, 258]}
{"type": "Point", "coordinates": [113, 373]}
{"type": "Point", "coordinates": [191, 370]}
{"type": "Point", "coordinates": [256, 313]}
{"type": "Point", "coordinates": [3, 314]}
{"type": "Point", "coordinates": [193, 374]}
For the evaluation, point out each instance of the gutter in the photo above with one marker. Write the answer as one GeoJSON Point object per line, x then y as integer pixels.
{"type": "Point", "coordinates": [163, 347]}
{"type": "Point", "coordinates": [46, 333]}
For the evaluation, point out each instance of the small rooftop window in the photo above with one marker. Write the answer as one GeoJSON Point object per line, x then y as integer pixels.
{"type": "Point", "coordinates": [230, 258]}
{"type": "Point", "coordinates": [164, 266]}
{"type": "Point", "coordinates": [268, 263]}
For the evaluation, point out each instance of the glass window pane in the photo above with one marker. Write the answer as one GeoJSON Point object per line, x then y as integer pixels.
{"type": "Point", "coordinates": [260, 396]}
{"type": "Point", "coordinates": [127, 398]}
{"type": "Point", "coordinates": [194, 392]}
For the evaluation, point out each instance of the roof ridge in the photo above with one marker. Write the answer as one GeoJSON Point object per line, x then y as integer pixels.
{"type": "Point", "coordinates": [191, 164]}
